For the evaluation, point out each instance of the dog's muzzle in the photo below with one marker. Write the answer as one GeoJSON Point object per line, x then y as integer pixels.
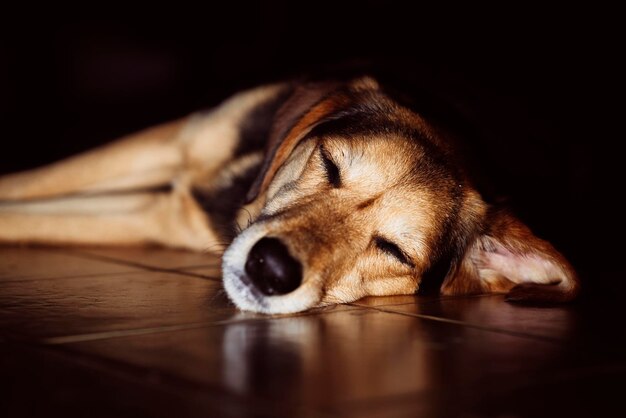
{"type": "Point", "coordinates": [271, 268]}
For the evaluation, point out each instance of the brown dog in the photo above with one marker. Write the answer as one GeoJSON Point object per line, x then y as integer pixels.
{"type": "Point", "coordinates": [331, 191]}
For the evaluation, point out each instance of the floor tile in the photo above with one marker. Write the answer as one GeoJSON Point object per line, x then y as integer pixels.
{"type": "Point", "coordinates": [25, 263]}
{"type": "Point", "coordinates": [492, 311]}
{"type": "Point", "coordinates": [84, 333]}
{"type": "Point", "coordinates": [65, 307]}
{"type": "Point", "coordinates": [213, 272]}
{"type": "Point", "coordinates": [46, 383]}
{"type": "Point", "coordinates": [333, 359]}
{"type": "Point", "coordinates": [590, 334]}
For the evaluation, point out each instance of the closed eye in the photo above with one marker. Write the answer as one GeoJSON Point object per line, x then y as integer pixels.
{"type": "Point", "coordinates": [393, 250]}
{"type": "Point", "coordinates": [332, 171]}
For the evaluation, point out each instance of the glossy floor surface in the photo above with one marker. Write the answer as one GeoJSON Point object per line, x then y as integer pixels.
{"type": "Point", "coordinates": [149, 333]}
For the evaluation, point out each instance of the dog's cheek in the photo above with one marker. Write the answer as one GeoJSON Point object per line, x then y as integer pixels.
{"type": "Point", "coordinates": [343, 289]}
{"type": "Point", "coordinates": [381, 277]}
{"type": "Point", "coordinates": [388, 286]}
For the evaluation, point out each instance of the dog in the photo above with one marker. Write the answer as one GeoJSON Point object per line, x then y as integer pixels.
{"type": "Point", "coordinates": [324, 191]}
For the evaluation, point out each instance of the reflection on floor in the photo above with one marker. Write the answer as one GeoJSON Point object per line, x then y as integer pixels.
{"type": "Point", "coordinates": [149, 332]}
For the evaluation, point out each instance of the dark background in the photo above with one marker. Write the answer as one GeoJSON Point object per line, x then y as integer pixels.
{"type": "Point", "coordinates": [539, 86]}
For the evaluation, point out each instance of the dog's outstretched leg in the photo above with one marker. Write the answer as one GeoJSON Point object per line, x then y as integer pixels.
{"type": "Point", "coordinates": [146, 159]}
{"type": "Point", "coordinates": [153, 157]}
{"type": "Point", "coordinates": [169, 218]}
{"type": "Point", "coordinates": [113, 194]}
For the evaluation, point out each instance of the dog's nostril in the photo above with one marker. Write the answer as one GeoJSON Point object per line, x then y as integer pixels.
{"type": "Point", "coordinates": [272, 269]}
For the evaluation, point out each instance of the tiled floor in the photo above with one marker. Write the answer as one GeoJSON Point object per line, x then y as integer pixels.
{"type": "Point", "coordinates": [130, 332]}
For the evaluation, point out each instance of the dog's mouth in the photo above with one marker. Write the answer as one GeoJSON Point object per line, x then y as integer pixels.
{"type": "Point", "coordinates": [261, 275]}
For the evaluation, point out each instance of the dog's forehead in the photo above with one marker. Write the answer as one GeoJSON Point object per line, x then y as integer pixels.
{"type": "Point", "coordinates": [384, 171]}
{"type": "Point", "coordinates": [375, 162]}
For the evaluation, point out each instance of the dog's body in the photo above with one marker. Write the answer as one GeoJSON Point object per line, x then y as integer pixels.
{"type": "Point", "coordinates": [331, 191]}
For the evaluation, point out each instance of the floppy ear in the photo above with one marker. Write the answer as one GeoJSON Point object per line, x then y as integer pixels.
{"type": "Point", "coordinates": [310, 105]}
{"type": "Point", "coordinates": [505, 257]}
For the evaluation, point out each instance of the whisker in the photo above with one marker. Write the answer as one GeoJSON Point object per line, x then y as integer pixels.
{"type": "Point", "coordinates": [216, 247]}
{"type": "Point", "coordinates": [218, 294]}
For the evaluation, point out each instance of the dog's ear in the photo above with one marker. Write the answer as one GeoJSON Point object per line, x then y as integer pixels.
{"type": "Point", "coordinates": [309, 105]}
{"type": "Point", "coordinates": [506, 257]}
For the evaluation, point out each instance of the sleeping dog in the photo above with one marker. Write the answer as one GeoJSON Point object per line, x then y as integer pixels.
{"type": "Point", "coordinates": [326, 192]}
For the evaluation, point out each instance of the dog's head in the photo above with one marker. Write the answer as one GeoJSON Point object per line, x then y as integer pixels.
{"type": "Point", "coordinates": [359, 196]}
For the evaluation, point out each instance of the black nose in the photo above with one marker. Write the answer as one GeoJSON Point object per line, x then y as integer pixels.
{"type": "Point", "coordinates": [272, 269]}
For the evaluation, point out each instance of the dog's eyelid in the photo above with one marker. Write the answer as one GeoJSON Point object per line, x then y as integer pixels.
{"type": "Point", "coordinates": [393, 249]}
{"type": "Point", "coordinates": [325, 154]}
{"type": "Point", "coordinates": [332, 171]}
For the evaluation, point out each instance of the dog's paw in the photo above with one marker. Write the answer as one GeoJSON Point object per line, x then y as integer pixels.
{"type": "Point", "coordinates": [533, 293]}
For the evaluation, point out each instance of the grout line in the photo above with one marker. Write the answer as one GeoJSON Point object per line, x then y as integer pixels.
{"type": "Point", "coordinates": [75, 276]}
{"type": "Point", "coordinates": [121, 273]}
{"type": "Point", "coordinates": [199, 266]}
{"type": "Point", "coordinates": [191, 274]}
{"type": "Point", "coordinates": [68, 339]}
{"type": "Point", "coordinates": [122, 333]}
{"type": "Point", "coordinates": [87, 255]}
{"type": "Point", "coordinates": [471, 325]}
{"type": "Point", "coordinates": [362, 305]}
